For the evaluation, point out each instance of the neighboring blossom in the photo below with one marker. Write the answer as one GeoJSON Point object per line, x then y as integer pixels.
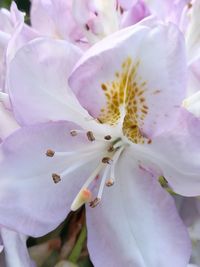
{"type": "Point", "coordinates": [189, 209]}
{"type": "Point", "coordinates": [84, 22]}
{"type": "Point", "coordinates": [107, 153]}
{"type": "Point", "coordinates": [14, 252]}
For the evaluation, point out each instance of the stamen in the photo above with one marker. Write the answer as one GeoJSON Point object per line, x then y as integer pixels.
{"type": "Point", "coordinates": [73, 133]}
{"type": "Point", "coordinates": [111, 149]}
{"type": "Point", "coordinates": [90, 136]}
{"type": "Point", "coordinates": [84, 196]}
{"type": "Point", "coordinates": [76, 202]}
{"type": "Point", "coordinates": [118, 144]}
{"type": "Point", "coordinates": [108, 137]}
{"type": "Point", "coordinates": [107, 160]}
{"type": "Point", "coordinates": [105, 175]}
{"type": "Point", "coordinates": [109, 182]}
{"type": "Point", "coordinates": [50, 153]}
{"type": "Point", "coordinates": [95, 202]}
{"type": "Point", "coordinates": [115, 159]}
{"type": "Point", "coordinates": [56, 178]}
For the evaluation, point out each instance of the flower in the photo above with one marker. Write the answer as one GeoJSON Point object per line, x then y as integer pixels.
{"type": "Point", "coordinates": [107, 153]}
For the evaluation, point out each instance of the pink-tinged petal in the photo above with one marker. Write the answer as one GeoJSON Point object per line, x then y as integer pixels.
{"type": "Point", "coordinates": [136, 224]}
{"type": "Point", "coordinates": [136, 13]}
{"type": "Point", "coordinates": [168, 10]}
{"type": "Point", "coordinates": [15, 252]}
{"type": "Point", "coordinates": [192, 104]}
{"type": "Point", "coordinates": [30, 202]}
{"type": "Point", "coordinates": [17, 16]}
{"type": "Point", "coordinates": [5, 21]}
{"type": "Point", "coordinates": [131, 59]}
{"type": "Point", "coordinates": [38, 82]}
{"type": "Point", "coordinates": [4, 39]}
{"type": "Point", "coordinates": [127, 4]}
{"type": "Point", "coordinates": [193, 78]}
{"type": "Point", "coordinates": [188, 209]}
{"type": "Point", "coordinates": [8, 122]}
{"type": "Point", "coordinates": [193, 33]}
{"type": "Point", "coordinates": [22, 35]}
{"type": "Point", "coordinates": [54, 18]}
{"type": "Point", "coordinates": [177, 153]}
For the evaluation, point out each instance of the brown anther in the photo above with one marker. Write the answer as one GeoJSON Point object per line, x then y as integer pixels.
{"type": "Point", "coordinates": [90, 136]}
{"type": "Point", "coordinates": [107, 160]}
{"type": "Point", "coordinates": [121, 10]}
{"type": "Point", "coordinates": [87, 27]}
{"type": "Point", "coordinates": [73, 133]}
{"type": "Point", "coordinates": [109, 182]}
{"type": "Point", "coordinates": [94, 202]}
{"type": "Point", "coordinates": [111, 149]}
{"type": "Point", "coordinates": [50, 153]}
{"type": "Point", "coordinates": [108, 137]}
{"type": "Point", "coordinates": [56, 178]}
{"type": "Point", "coordinates": [149, 141]}
{"type": "Point", "coordinates": [189, 5]}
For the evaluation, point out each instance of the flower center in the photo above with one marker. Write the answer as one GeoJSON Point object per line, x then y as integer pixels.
{"type": "Point", "coordinates": [125, 102]}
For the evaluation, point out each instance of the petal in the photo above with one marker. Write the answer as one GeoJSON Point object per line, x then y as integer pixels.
{"type": "Point", "coordinates": [188, 209]}
{"type": "Point", "coordinates": [192, 104]}
{"type": "Point", "coordinates": [136, 222]}
{"type": "Point", "coordinates": [167, 10]}
{"type": "Point", "coordinates": [193, 78]}
{"type": "Point", "coordinates": [8, 122]}
{"type": "Point", "coordinates": [15, 250]}
{"type": "Point", "coordinates": [127, 60]}
{"type": "Point", "coordinates": [38, 82]}
{"type": "Point", "coordinates": [193, 34]}
{"type": "Point", "coordinates": [30, 202]}
{"type": "Point", "coordinates": [137, 12]}
{"type": "Point", "coordinates": [177, 153]}
{"type": "Point", "coordinates": [54, 18]}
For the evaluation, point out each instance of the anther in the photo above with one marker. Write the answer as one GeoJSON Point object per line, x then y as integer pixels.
{"type": "Point", "coordinates": [111, 148]}
{"type": "Point", "coordinates": [110, 182]}
{"type": "Point", "coordinates": [50, 153]}
{"type": "Point", "coordinates": [56, 178]}
{"type": "Point", "coordinates": [95, 202]}
{"type": "Point", "coordinates": [149, 141]}
{"type": "Point", "coordinates": [73, 133]}
{"type": "Point", "coordinates": [106, 160]}
{"type": "Point", "coordinates": [108, 137]}
{"type": "Point", "coordinates": [90, 136]}
{"type": "Point", "coordinates": [87, 27]}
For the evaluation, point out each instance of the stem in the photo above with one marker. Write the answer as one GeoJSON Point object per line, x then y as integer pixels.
{"type": "Point", "coordinates": [76, 251]}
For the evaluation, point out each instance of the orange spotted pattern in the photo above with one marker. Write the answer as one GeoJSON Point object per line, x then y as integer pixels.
{"type": "Point", "coordinates": [125, 100]}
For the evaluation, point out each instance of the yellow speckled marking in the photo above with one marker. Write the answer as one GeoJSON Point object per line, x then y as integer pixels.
{"type": "Point", "coordinates": [125, 97]}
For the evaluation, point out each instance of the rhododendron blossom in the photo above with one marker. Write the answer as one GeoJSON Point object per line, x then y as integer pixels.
{"type": "Point", "coordinates": [102, 138]}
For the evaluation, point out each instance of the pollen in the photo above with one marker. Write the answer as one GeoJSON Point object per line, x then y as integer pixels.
{"type": "Point", "coordinates": [95, 202]}
{"type": "Point", "coordinates": [126, 95]}
{"type": "Point", "coordinates": [50, 153]}
{"type": "Point", "coordinates": [56, 178]}
{"type": "Point", "coordinates": [90, 136]}
{"type": "Point", "coordinates": [109, 182]}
